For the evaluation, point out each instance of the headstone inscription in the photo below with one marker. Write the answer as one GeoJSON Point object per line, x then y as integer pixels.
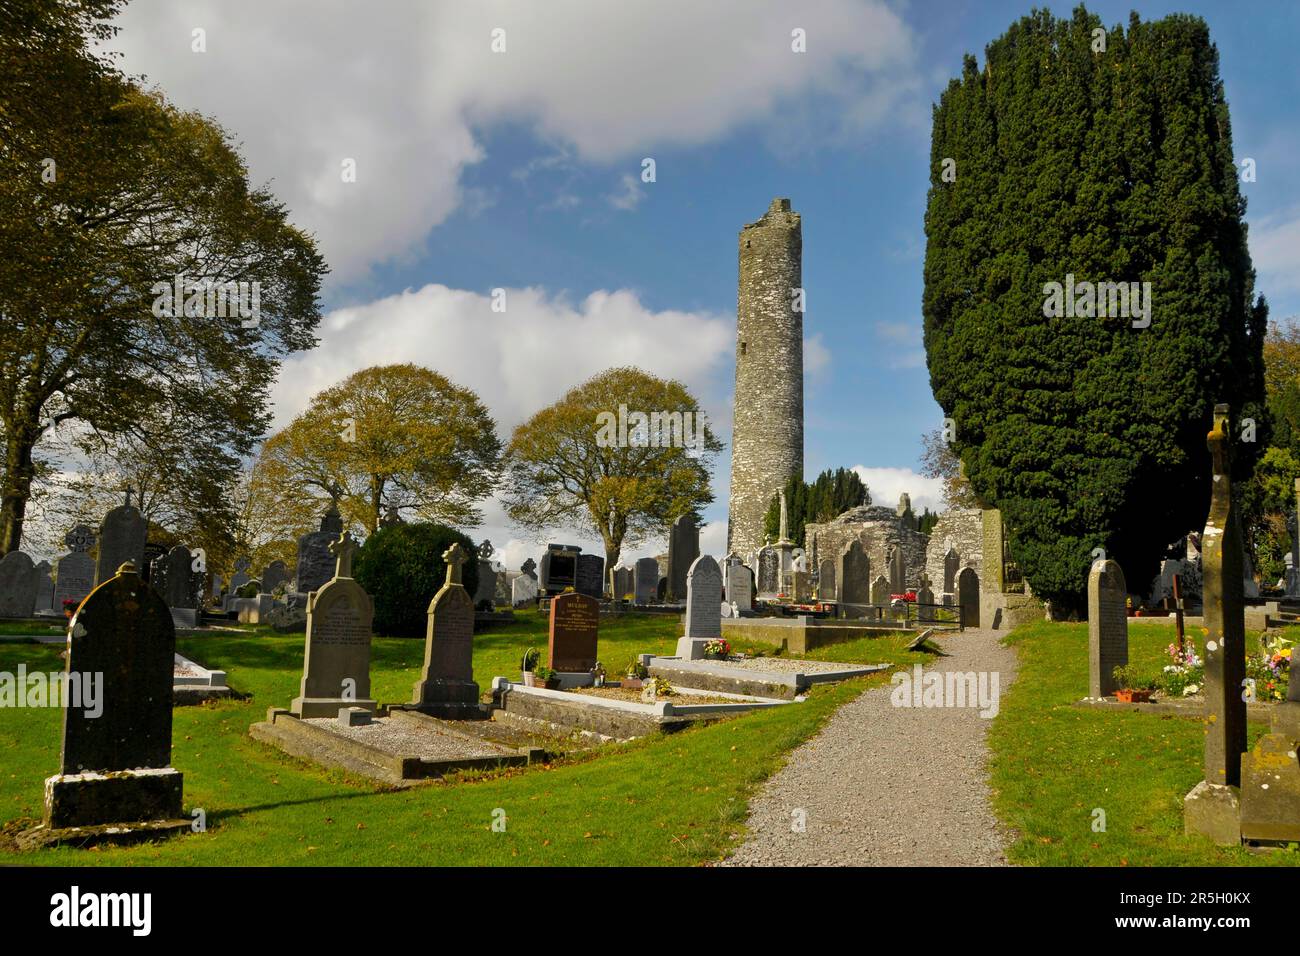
{"type": "Point", "coordinates": [446, 687]}
{"type": "Point", "coordinates": [573, 633]}
{"type": "Point", "coordinates": [336, 665]}
{"type": "Point", "coordinates": [703, 608]}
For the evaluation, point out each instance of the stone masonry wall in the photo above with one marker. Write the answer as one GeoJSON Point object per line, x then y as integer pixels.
{"type": "Point", "coordinates": [767, 439]}
{"type": "Point", "coordinates": [880, 529]}
{"type": "Point", "coordinates": [963, 530]}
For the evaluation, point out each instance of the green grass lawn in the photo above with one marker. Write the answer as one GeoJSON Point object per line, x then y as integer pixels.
{"type": "Point", "coordinates": [1054, 764]}
{"type": "Point", "coordinates": [672, 800]}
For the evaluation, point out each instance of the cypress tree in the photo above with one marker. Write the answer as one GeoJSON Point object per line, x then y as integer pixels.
{"type": "Point", "coordinates": [1109, 165]}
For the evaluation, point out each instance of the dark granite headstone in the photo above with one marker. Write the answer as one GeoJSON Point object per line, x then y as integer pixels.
{"type": "Point", "coordinates": [273, 575]}
{"type": "Point", "coordinates": [574, 630]}
{"type": "Point", "coordinates": [116, 764]}
{"type": "Point", "coordinates": [591, 575]}
{"type": "Point", "coordinates": [683, 549]}
{"type": "Point", "coordinates": [559, 569]}
{"type": "Point", "coordinates": [181, 581]}
{"type": "Point", "coordinates": [645, 579]}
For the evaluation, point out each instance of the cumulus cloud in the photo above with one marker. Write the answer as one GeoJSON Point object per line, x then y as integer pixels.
{"type": "Point", "coordinates": [1275, 252]}
{"type": "Point", "coordinates": [406, 89]}
{"type": "Point", "coordinates": [886, 484]}
{"type": "Point", "coordinates": [903, 343]}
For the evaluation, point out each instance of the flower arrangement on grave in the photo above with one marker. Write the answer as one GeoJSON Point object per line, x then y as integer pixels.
{"type": "Point", "coordinates": [1135, 685]}
{"type": "Point", "coordinates": [70, 606]}
{"type": "Point", "coordinates": [1185, 675]}
{"type": "Point", "coordinates": [718, 647]}
{"type": "Point", "coordinates": [543, 675]}
{"type": "Point", "coordinates": [656, 687]}
{"type": "Point", "coordinates": [1271, 672]}
{"type": "Point", "coordinates": [636, 670]}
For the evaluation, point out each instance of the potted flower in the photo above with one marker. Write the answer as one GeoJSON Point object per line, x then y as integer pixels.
{"type": "Point", "coordinates": [545, 676]}
{"type": "Point", "coordinates": [717, 648]}
{"type": "Point", "coordinates": [1134, 686]}
{"type": "Point", "coordinates": [528, 665]}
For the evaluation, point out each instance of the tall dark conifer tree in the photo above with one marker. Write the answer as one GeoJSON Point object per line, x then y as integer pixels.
{"type": "Point", "coordinates": [1109, 165]}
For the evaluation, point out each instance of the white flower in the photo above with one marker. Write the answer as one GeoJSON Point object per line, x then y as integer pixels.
{"type": "Point", "coordinates": [1190, 689]}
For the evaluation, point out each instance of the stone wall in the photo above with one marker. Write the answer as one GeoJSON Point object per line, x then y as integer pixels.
{"type": "Point", "coordinates": [880, 529]}
{"type": "Point", "coordinates": [961, 529]}
{"type": "Point", "coordinates": [767, 438]}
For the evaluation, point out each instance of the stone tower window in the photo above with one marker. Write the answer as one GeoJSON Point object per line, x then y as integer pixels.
{"type": "Point", "coordinates": [743, 347]}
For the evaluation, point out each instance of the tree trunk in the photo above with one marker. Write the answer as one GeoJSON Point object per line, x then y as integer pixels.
{"type": "Point", "coordinates": [17, 488]}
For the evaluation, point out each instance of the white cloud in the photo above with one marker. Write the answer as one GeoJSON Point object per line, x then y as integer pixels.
{"type": "Point", "coordinates": [406, 88]}
{"type": "Point", "coordinates": [903, 349]}
{"type": "Point", "coordinates": [886, 484]}
{"type": "Point", "coordinates": [629, 195]}
{"type": "Point", "coordinates": [1275, 252]}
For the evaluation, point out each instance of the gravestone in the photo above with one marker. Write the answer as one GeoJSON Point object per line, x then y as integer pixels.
{"type": "Point", "coordinates": [826, 580]}
{"type": "Point", "coordinates": [273, 575]}
{"type": "Point", "coordinates": [121, 538]}
{"type": "Point", "coordinates": [590, 575]}
{"type": "Point", "coordinates": [1212, 808]}
{"type": "Point", "coordinates": [116, 765]}
{"type": "Point", "coordinates": [241, 575]}
{"type": "Point", "coordinates": [573, 633]}
{"type": "Point", "coordinates": [1107, 627]}
{"type": "Point", "coordinates": [968, 597]}
{"type": "Point", "coordinates": [683, 549]}
{"type": "Point", "coordinates": [218, 586]}
{"type": "Point", "coordinates": [880, 597]}
{"type": "Point", "coordinates": [505, 588]}
{"type": "Point", "coordinates": [446, 686]}
{"type": "Point", "coordinates": [645, 578]}
{"type": "Point", "coordinates": [179, 579]}
{"type": "Point", "coordinates": [74, 574]}
{"type": "Point", "coordinates": [620, 582]}
{"type": "Point", "coordinates": [529, 568]}
{"type": "Point", "coordinates": [740, 587]}
{"type": "Point", "coordinates": [769, 573]}
{"type": "Point", "coordinates": [523, 591]}
{"type": "Point", "coordinates": [336, 666]}
{"type": "Point", "coordinates": [18, 585]}
{"type": "Point", "coordinates": [897, 572]}
{"type": "Point", "coordinates": [853, 580]}
{"type": "Point", "coordinates": [925, 600]}
{"type": "Point", "coordinates": [559, 569]}
{"type": "Point", "coordinates": [487, 576]}
{"type": "Point", "coordinates": [703, 608]}
{"type": "Point", "coordinates": [45, 589]}
{"type": "Point", "coordinates": [801, 586]}
{"type": "Point", "coordinates": [315, 561]}
{"type": "Point", "coordinates": [661, 590]}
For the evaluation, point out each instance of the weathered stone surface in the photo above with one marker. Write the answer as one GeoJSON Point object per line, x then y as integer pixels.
{"type": "Point", "coordinates": [447, 682]}
{"type": "Point", "coordinates": [121, 538]}
{"type": "Point", "coordinates": [645, 576]}
{"type": "Point", "coordinates": [925, 600]}
{"type": "Point", "coordinates": [703, 596]}
{"type": "Point", "coordinates": [44, 588]}
{"type": "Point", "coordinates": [241, 575]}
{"type": "Point", "coordinates": [273, 575]}
{"type": "Point", "coordinates": [956, 541]}
{"type": "Point", "coordinates": [767, 438]}
{"type": "Point", "coordinates": [315, 563]}
{"type": "Point", "coordinates": [1214, 811]}
{"type": "Point", "coordinates": [769, 573]}
{"type": "Point", "coordinates": [897, 571]}
{"type": "Point", "coordinates": [683, 549]}
{"type": "Point", "coordinates": [336, 666]}
{"type": "Point", "coordinates": [854, 580]}
{"type": "Point", "coordinates": [740, 587]}
{"type": "Point", "coordinates": [801, 586]}
{"type": "Point", "coordinates": [574, 632]}
{"type": "Point", "coordinates": [1107, 627]}
{"type": "Point", "coordinates": [826, 590]}
{"type": "Point", "coordinates": [180, 582]}
{"type": "Point", "coordinates": [590, 575]}
{"type": "Point", "coordinates": [881, 531]}
{"type": "Point", "coordinates": [74, 579]}
{"type": "Point", "coordinates": [1270, 791]}
{"type": "Point", "coordinates": [620, 582]}
{"type": "Point", "coordinates": [18, 585]}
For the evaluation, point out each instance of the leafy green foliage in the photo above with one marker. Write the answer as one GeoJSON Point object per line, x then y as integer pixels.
{"type": "Point", "coordinates": [1111, 166]}
{"type": "Point", "coordinates": [830, 495]}
{"type": "Point", "coordinates": [401, 568]}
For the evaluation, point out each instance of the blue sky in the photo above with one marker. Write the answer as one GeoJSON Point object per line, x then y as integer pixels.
{"type": "Point", "coordinates": [522, 170]}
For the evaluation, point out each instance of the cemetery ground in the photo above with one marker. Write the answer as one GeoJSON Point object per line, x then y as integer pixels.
{"type": "Point", "coordinates": [679, 799]}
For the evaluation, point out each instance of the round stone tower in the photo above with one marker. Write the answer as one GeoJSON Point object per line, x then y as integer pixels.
{"type": "Point", "coordinates": [767, 439]}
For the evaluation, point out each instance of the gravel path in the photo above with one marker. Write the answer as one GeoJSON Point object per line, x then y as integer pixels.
{"type": "Point", "coordinates": [888, 786]}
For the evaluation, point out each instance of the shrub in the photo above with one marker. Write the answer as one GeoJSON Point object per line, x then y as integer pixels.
{"type": "Point", "coordinates": [401, 568]}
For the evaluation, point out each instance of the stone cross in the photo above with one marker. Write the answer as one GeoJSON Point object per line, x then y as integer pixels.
{"type": "Point", "coordinates": [485, 550]}
{"type": "Point", "coordinates": [129, 489]}
{"type": "Point", "coordinates": [343, 549]}
{"type": "Point", "coordinates": [454, 557]}
{"type": "Point", "coordinates": [80, 539]}
{"type": "Point", "coordinates": [784, 519]}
